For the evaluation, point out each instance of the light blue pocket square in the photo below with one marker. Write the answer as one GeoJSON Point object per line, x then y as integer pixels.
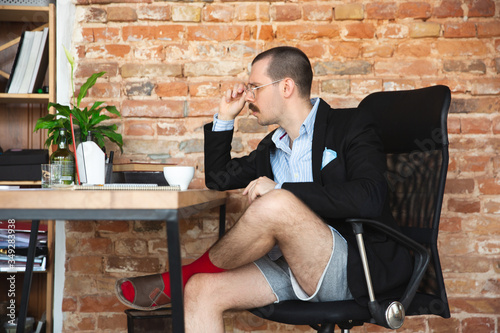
{"type": "Point", "coordinates": [328, 156]}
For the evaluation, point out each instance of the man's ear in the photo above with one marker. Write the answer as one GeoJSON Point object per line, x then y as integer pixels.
{"type": "Point", "coordinates": [289, 87]}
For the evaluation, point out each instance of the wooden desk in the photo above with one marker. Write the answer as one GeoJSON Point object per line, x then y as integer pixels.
{"type": "Point", "coordinates": [65, 204]}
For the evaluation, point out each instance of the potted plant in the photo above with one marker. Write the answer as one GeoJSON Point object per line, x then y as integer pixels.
{"type": "Point", "coordinates": [87, 119]}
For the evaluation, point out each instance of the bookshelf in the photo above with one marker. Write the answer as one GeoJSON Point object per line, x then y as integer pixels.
{"type": "Point", "coordinates": [18, 115]}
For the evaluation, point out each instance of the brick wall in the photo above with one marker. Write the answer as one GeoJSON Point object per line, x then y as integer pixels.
{"type": "Point", "coordinates": [167, 63]}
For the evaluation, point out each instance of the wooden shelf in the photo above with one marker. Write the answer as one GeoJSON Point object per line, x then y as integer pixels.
{"type": "Point", "coordinates": [17, 128]}
{"type": "Point", "coordinates": [24, 98]}
{"type": "Point", "coordinates": [20, 182]}
{"type": "Point", "coordinates": [24, 13]}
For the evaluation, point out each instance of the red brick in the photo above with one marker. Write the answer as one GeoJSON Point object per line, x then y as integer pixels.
{"type": "Point", "coordinates": [491, 206]}
{"type": "Point", "coordinates": [285, 12]}
{"type": "Point", "coordinates": [393, 30]}
{"type": "Point", "coordinates": [108, 51]}
{"type": "Point", "coordinates": [381, 10]}
{"type": "Point", "coordinates": [453, 125]}
{"type": "Point", "coordinates": [85, 264]}
{"type": "Point", "coordinates": [121, 14]}
{"type": "Point", "coordinates": [456, 286]}
{"type": "Point", "coordinates": [107, 34]}
{"type": "Point", "coordinates": [364, 86]}
{"type": "Point", "coordinates": [170, 127]}
{"type": "Point", "coordinates": [377, 50]}
{"type": "Point", "coordinates": [76, 322]}
{"type": "Point", "coordinates": [417, 10]}
{"type": "Point", "coordinates": [475, 305]}
{"type": "Point", "coordinates": [486, 87]}
{"type": "Point", "coordinates": [455, 48]}
{"type": "Point", "coordinates": [112, 322]}
{"type": "Point", "coordinates": [130, 265]}
{"type": "Point", "coordinates": [345, 49]}
{"type": "Point", "coordinates": [476, 125]}
{"type": "Point", "coordinates": [217, 33]}
{"type": "Point", "coordinates": [252, 12]}
{"type": "Point", "coordinates": [105, 90]}
{"type": "Point", "coordinates": [95, 15]}
{"type": "Point", "coordinates": [478, 325]}
{"type": "Point", "coordinates": [134, 33]}
{"type": "Point", "coordinates": [112, 226]}
{"type": "Point", "coordinates": [485, 225]}
{"type": "Point", "coordinates": [489, 186]}
{"type": "Point", "coordinates": [154, 13]}
{"type": "Point", "coordinates": [480, 8]}
{"type": "Point", "coordinates": [218, 13]}
{"type": "Point", "coordinates": [459, 29]}
{"type": "Point", "coordinates": [465, 264]}
{"type": "Point", "coordinates": [306, 31]}
{"type": "Point", "coordinates": [360, 30]}
{"type": "Point", "coordinates": [317, 12]}
{"type": "Point", "coordinates": [80, 226]}
{"type": "Point", "coordinates": [262, 32]}
{"type": "Point", "coordinates": [488, 29]}
{"type": "Point", "coordinates": [441, 325]}
{"type": "Point", "coordinates": [172, 89]}
{"type": "Point", "coordinates": [420, 67]}
{"type": "Point", "coordinates": [153, 109]}
{"type": "Point", "coordinates": [169, 32]}
{"type": "Point", "coordinates": [459, 186]}
{"type": "Point", "coordinates": [449, 8]}
{"type": "Point", "coordinates": [204, 89]}
{"type": "Point", "coordinates": [139, 128]}
{"type": "Point", "coordinates": [450, 224]}
{"type": "Point", "coordinates": [69, 304]}
{"type": "Point", "coordinates": [203, 107]}
{"type": "Point", "coordinates": [474, 163]}
{"type": "Point", "coordinates": [464, 205]}
{"type": "Point", "coordinates": [414, 48]}
{"type": "Point", "coordinates": [100, 304]}
{"type": "Point", "coordinates": [95, 245]}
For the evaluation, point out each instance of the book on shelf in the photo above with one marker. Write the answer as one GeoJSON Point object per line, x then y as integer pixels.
{"type": "Point", "coordinates": [30, 63]}
{"type": "Point", "coordinates": [42, 63]}
{"type": "Point", "coordinates": [20, 62]}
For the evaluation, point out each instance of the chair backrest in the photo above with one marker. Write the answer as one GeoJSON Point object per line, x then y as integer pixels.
{"type": "Point", "coordinates": [413, 128]}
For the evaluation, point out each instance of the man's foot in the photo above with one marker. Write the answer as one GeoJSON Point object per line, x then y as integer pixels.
{"type": "Point", "coordinates": [143, 292]}
{"type": "Point", "coordinates": [153, 291]}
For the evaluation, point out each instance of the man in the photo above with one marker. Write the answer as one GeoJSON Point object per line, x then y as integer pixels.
{"type": "Point", "coordinates": [319, 167]}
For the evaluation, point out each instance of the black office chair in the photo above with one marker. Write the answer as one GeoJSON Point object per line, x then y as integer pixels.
{"type": "Point", "coordinates": [413, 129]}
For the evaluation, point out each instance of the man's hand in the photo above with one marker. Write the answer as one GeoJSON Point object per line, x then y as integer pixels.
{"type": "Point", "coordinates": [232, 102]}
{"type": "Point", "coordinates": [258, 187]}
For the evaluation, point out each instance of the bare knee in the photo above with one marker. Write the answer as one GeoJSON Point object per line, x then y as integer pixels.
{"type": "Point", "coordinates": [277, 206]}
{"type": "Point", "coordinates": [201, 292]}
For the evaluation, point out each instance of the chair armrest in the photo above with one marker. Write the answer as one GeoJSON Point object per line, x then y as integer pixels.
{"type": "Point", "coordinates": [420, 253]}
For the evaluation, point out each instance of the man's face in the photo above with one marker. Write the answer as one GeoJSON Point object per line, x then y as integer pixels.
{"type": "Point", "coordinates": [265, 105]}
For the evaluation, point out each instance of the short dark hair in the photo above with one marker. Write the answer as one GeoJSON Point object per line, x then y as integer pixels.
{"type": "Point", "coordinates": [287, 61]}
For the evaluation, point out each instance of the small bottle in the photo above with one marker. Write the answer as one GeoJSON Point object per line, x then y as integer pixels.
{"type": "Point", "coordinates": [64, 157]}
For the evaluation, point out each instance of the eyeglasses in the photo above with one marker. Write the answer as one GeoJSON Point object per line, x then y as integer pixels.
{"type": "Point", "coordinates": [251, 90]}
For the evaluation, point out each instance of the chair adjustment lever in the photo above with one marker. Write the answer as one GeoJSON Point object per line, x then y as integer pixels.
{"type": "Point", "coordinates": [394, 314]}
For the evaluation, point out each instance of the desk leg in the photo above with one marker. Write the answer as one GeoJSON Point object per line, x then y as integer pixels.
{"type": "Point", "coordinates": [174, 259]}
{"type": "Point", "coordinates": [28, 276]}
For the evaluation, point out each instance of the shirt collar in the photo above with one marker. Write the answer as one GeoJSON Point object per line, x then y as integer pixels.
{"type": "Point", "coordinates": [280, 137]}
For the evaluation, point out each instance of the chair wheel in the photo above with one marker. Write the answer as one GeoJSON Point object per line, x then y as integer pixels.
{"type": "Point", "coordinates": [395, 315]}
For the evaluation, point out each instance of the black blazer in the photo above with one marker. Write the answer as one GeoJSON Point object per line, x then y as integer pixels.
{"type": "Point", "coordinates": [352, 185]}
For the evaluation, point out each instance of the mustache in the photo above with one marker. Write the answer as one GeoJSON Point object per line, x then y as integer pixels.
{"type": "Point", "coordinates": [253, 107]}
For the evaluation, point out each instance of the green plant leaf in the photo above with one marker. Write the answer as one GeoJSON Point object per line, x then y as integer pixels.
{"type": "Point", "coordinates": [112, 109]}
{"type": "Point", "coordinates": [87, 85]}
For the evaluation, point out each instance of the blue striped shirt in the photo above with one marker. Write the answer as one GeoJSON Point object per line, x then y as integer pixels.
{"type": "Point", "coordinates": [289, 165]}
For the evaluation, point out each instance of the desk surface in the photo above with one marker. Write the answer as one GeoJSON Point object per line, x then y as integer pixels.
{"type": "Point", "coordinates": [106, 199]}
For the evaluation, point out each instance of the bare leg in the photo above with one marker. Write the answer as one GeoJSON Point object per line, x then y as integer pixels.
{"type": "Point", "coordinates": [280, 218]}
{"type": "Point", "coordinates": [207, 296]}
